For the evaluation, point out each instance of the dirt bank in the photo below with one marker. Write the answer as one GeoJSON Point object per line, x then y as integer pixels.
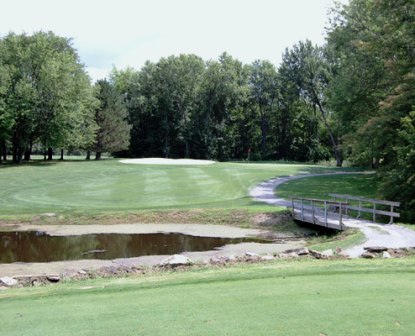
{"type": "Point", "coordinates": [204, 230]}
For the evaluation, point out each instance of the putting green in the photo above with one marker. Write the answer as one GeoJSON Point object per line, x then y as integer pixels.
{"type": "Point", "coordinates": [113, 186]}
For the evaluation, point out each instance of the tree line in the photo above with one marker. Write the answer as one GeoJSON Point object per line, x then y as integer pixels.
{"type": "Point", "coordinates": [47, 102]}
{"type": "Point", "coordinates": [351, 99]}
{"type": "Point", "coordinates": [182, 106]}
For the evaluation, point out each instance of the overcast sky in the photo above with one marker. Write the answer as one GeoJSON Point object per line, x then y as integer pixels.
{"type": "Point", "coordinates": [123, 33]}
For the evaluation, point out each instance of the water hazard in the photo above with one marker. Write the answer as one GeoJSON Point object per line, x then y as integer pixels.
{"type": "Point", "coordinates": [35, 246]}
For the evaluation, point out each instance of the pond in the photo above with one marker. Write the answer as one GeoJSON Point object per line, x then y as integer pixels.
{"type": "Point", "coordinates": [37, 246]}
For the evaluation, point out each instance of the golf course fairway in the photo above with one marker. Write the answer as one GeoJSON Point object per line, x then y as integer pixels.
{"type": "Point", "coordinates": [93, 187]}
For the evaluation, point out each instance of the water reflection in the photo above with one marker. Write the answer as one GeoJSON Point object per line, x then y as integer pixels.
{"type": "Point", "coordinates": [31, 246]}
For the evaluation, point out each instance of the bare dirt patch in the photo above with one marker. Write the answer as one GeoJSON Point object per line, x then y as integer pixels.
{"type": "Point", "coordinates": [270, 219]}
{"type": "Point", "coordinates": [277, 221]}
{"type": "Point", "coordinates": [205, 230]}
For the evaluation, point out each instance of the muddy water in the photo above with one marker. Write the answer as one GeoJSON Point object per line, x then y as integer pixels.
{"type": "Point", "coordinates": [35, 246]}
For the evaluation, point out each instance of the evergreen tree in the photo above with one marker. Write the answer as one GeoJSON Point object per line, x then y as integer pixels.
{"type": "Point", "coordinates": [113, 132]}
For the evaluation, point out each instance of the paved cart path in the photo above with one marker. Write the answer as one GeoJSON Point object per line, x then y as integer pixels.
{"type": "Point", "coordinates": [392, 236]}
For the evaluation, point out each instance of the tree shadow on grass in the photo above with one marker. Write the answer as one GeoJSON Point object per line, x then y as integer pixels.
{"type": "Point", "coordinates": [46, 163]}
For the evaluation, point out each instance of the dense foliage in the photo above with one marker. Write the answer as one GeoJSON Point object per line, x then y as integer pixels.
{"type": "Point", "coordinates": [372, 93]}
{"type": "Point", "coordinates": [182, 106]}
{"type": "Point", "coordinates": [45, 95]}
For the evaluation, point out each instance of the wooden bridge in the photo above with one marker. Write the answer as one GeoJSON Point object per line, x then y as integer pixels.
{"type": "Point", "coordinates": [331, 213]}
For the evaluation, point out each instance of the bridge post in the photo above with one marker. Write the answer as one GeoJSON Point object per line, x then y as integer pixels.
{"type": "Point", "coordinates": [292, 207]}
{"type": "Point", "coordinates": [347, 201]}
{"type": "Point", "coordinates": [391, 220]}
{"type": "Point", "coordinates": [374, 212]}
{"type": "Point", "coordinates": [325, 212]}
{"type": "Point", "coordinates": [302, 210]}
{"type": "Point", "coordinates": [312, 212]}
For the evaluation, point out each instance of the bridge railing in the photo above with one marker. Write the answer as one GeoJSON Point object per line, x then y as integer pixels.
{"type": "Point", "coordinates": [320, 212]}
{"type": "Point", "coordinates": [368, 205]}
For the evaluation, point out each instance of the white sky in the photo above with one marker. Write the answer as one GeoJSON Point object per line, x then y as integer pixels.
{"type": "Point", "coordinates": [123, 33]}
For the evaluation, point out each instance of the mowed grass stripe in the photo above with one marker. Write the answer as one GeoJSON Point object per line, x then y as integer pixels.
{"type": "Point", "coordinates": [113, 186]}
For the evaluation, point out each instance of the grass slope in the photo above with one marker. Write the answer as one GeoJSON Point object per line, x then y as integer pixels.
{"type": "Point", "coordinates": [308, 297]}
{"type": "Point", "coordinates": [93, 187]}
{"type": "Point", "coordinates": [321, 186]}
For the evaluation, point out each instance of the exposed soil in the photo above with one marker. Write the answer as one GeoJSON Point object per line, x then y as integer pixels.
{"type": "Point", "coordinates": [205, 230]}
{"type": "Point", "coordinates": [237, 218]}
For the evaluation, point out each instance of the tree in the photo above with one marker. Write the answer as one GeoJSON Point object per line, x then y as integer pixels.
{"type": "Point", "coordinates": [19, 95]}
{"type": "Point", "coordinates": [49, 93]}
{"type": "Point", "coordinates": [177, 82]}
{"type": "Point", "coordinates": [111, 117]}
{"type": "Point", "coordinates": [306, 67]}
{"type": "Point", "coordinates": [6, 120]}
{"type": "Point", "coordinates": [223, 93]}
{"type": "Point", "coordinates": [183, 107]}
{"type": "Point", "coordinates": [357, 84]}
{"type": "Point", "coordinates": [263, 84]}
{"type": "Point", "coordinates": [140, 89]}
{"type": "Point", "coordinates": [372, 42]}
{"type": "Point", "coordinates": [186, 72]}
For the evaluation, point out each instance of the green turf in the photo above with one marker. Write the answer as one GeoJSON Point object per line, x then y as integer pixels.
{"type": "Point", "coordinates": [364, 185]}
{"type": "Point", "coordinates": [311, 297]}
{"type": "Point", "coordinates": [343, 240]}
{"type": "Point", "coordinates": [92, 187]}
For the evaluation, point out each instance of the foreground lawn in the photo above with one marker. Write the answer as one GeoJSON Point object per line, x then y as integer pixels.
{"type": "Point", "coordinates": [93, 187]}
{"type": "Point", "coordinates": [307, 297]}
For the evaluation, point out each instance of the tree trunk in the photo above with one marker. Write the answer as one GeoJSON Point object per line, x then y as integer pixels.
{"type": "Point", "coordinates": [98, 156]}
{"type": "Point", "coordinates": [50, 154]}
{"type": "Point", "coordinates": [15, 147]}
{"type": "Point", "coordinates": [375, 162]}
{"type": "Point", "coordinates": [3, 149]}
{"type": "Point", "coordinates": [334, 143]}
{"type": "Point", "coordinates": [28, 151]}
{"type": "Point", "coordinates": [186, 145]}
{"type": "Point", "coordinates": [88, 155]}
{"type": "Point", "coordinates": [166, 146]}
{"type": "Point", "coordinates": [19, 157]}
{"type": "Point", "coordinates": [186, 150]}
{"type": "Point", "coordinates": [264, 129]}
{"type": "Point", "coordinates": [27, 154]}
{"type": "Point", "coordinates": [16, 153]}
{"type": "Point", "coordinates": [61, 158]}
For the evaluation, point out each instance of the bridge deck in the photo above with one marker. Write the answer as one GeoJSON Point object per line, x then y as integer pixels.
{"type": "Point", "coordinates": [330, 214]}
{"type": "Point", "coordinates": [332, 221]}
